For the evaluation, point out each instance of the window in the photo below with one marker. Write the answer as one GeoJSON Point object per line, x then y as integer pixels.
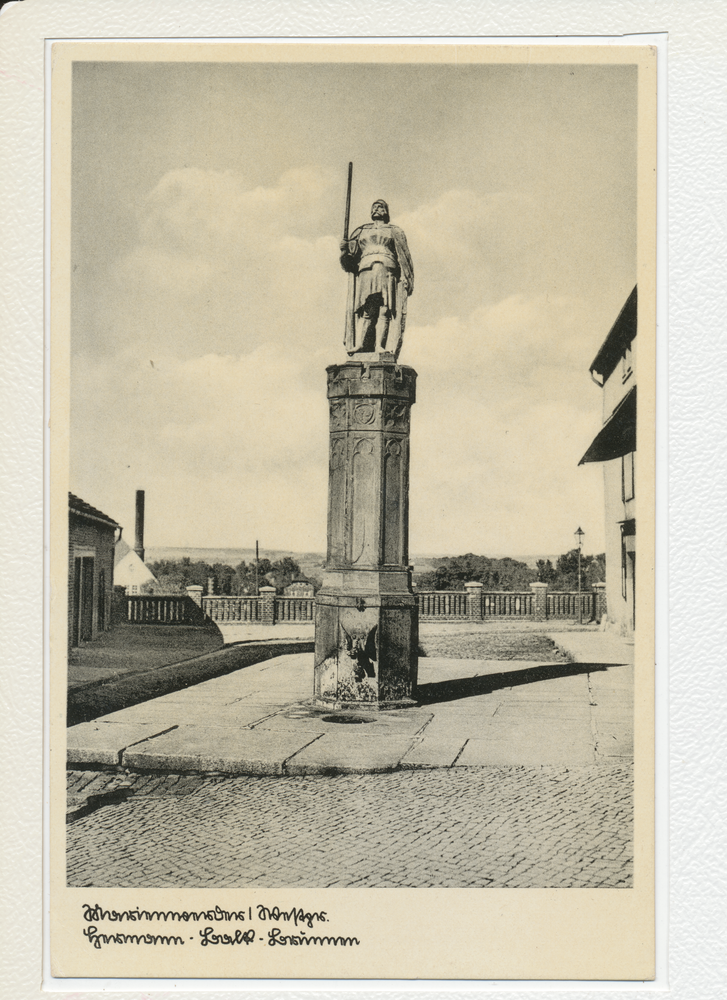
{"type": "Point", "coordinates": [627, 477]}
{"type": "Point", "coordinates": [626, 367]}
{"type": "Point", "coordinates": [628, 531]}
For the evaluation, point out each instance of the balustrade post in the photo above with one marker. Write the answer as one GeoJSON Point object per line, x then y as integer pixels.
{"type": "Point", "coordinates": [540, 601]}
{"type": "Point", "coordinates": [267, 605]}
{"type": "Point", "coordinates": [474, 599]}
{"type": "Point", "coordinates": [601, 606]}
{"type": "Point", "coordinates": [195, 593]}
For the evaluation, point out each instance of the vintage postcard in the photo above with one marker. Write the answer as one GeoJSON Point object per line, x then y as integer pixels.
{"type": "Point", "coordinates": [352, 657]}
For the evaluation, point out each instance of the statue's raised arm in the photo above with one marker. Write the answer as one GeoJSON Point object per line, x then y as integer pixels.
{"type": "Point", "coordinates": [377, 258]}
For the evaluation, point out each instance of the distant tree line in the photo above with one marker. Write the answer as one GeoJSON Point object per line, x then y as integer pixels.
{"type": "Point", "coordinates": [564, 575]}
{"type": "Point", "coordinates": [452, 572]}
{"type": "Point", "coordinates": [173, 576]}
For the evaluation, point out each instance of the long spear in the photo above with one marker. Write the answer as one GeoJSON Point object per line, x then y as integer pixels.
{"type": "Point", "coordinates": [348, 203]}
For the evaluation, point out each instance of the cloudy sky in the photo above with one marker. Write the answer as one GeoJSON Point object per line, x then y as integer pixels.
{"type": "Point", "coordinates": [208, 298]}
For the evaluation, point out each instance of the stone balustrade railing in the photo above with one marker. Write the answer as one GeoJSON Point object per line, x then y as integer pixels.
{"type": "Point", "coordinates": [474, 603]}
{"type": "Point", "coordinates": [538, 604]}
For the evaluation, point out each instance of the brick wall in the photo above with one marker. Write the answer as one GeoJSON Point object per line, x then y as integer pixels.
{"type": "Point", "coordinates": [88, 538]}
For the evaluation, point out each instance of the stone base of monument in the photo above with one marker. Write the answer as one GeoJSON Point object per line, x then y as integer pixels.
{"type": "Point", "coordinates": [366, 614]}
{"type": "Point", "coordinates": [366, 651]}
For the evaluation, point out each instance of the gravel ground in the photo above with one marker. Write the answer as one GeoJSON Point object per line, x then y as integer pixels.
{"type": "Point", "coordinates": [487, 643]}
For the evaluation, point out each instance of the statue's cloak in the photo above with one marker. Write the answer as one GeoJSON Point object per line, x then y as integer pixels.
{"type": "Point", "coordinates": [404, 288]}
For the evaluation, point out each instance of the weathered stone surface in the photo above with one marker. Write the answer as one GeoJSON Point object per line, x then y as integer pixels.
{"type": "Point", "coordinates": [531, 741]}
{"type": "Point", "coordinates": [366, 613]}
{"type": "Point", "coordinates": [102, 743]}
{"type": "Point", "coordinates": [433, 751]}
{"type": "Point", "coordinates": [342, 751]}
{"type": "Point", "coordinates": [231, 751]}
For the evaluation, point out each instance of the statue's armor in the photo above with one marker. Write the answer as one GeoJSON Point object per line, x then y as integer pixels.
{"type": "Point", "coordinates": [377, 247]}
{"type": "Point", "coordinates": [381, 276]}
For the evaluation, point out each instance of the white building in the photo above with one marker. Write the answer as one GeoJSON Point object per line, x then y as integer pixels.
{"type": "Point", "coordinates": [614, 370]}
{"type": "Point", "coordinates": [129, 570]}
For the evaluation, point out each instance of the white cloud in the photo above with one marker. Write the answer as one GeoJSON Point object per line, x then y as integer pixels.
{"type": "Point", "coordinates": [217, 212]}
{"type": "Point", "coordinates": [519, 348]}
{"type": "Point", "coordinates": [216, 329]}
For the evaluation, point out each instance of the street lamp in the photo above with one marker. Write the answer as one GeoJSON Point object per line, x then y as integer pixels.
{"type": "Point", "coordinates": [579, 534]}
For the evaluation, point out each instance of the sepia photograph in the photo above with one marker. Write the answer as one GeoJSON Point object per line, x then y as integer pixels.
{"type": "Point", "coordinates": [345, 472]}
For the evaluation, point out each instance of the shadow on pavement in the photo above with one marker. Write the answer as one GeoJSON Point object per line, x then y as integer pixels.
{"type": "Point", "coordinates": [469, 687]}
{"type": "Point", "coordinates": [114, 693]}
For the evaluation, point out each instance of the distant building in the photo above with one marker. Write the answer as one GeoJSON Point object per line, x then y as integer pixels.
{"type": "Point", "coordinates": [91, 537]}
{"type": "Point", "coordinates": [299, 588]}
{"type": "Point", "coordinates": [129, 570]}
{"type": "Point", "coordinates": [614, 369]}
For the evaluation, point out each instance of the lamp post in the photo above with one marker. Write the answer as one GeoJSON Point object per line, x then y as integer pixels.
{"type": "Point", "coordinates": [579, 539]}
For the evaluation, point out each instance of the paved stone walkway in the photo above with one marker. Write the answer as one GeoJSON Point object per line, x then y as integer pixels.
{"type": "Point", "coordinates": [512, 775]}
{"type": "Point", "coordinates": [511, 827]}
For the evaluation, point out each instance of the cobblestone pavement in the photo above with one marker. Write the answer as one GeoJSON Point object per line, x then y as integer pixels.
{"type": "Point", "coordinates": [510, 827]}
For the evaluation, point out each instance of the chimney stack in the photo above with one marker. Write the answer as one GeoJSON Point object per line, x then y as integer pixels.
{"type": "Point", "coordinates": [139, 537]}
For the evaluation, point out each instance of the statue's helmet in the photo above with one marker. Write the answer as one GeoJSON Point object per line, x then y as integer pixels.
{"type": "Point", "coordinates": [380, 201]}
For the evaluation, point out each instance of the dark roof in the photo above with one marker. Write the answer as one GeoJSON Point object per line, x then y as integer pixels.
{"type": "Point", "coordinates": [619, 338]}
{"type": "Point", "coordinates": [617, 437]}
{"type": "Point", "coordinates": [121, 549]}
{"type": "Point", "coordinates": [82, 509]}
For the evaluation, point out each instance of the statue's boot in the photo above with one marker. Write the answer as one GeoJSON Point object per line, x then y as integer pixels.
{"type": "Point", "coordinates": [382, 330]}
{"type": "Point", "coordinates": [363, 325]}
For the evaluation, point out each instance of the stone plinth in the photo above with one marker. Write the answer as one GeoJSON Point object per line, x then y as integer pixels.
{"type": "Point", "coordinates": [366, 613]}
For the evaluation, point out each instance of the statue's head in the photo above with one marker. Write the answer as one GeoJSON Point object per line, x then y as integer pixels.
{"type": "Point", "coordinates": [380, 210]}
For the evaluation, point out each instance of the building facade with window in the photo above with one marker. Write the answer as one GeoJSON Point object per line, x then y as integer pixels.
{"type": "Point", "coordinates": [614, 370]}
{"type": "Point", "coordinates": [91, 539]}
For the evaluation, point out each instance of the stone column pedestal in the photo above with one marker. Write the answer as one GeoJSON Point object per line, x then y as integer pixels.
{"type": "Point", "coordinates": [600, 612]}
{"type": "Point", "coordinates": [474, 599]}
{"type": "Point", "coordinates": [366, 614]}
{"type": "Point", "coordinates": [540, 601]}
{"type": "Point", "coordinates": [267, 605]}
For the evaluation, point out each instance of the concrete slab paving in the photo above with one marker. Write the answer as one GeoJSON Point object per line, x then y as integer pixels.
{"type": "Point", "coordinates": [526, 742]}
{"type": "Point", "coordinates": [594, 647]}
{"type": "Point", "coordinates": [261, 720]}
{"type": "Point", "coordinates": [104, 743]}
{"type": "Point", "coordinates": [205, 749]}
{"type": "Point", "coordinates": [433, 751]}
{"type": "Point", "coordinates": [561, 689]}
{"type": "Point", "coordinates": [615, 741]}
{"type": "Point", "coordinates": [467, 722]}
{"type": "Point", "coordinates": [441, 668]}
{"type": "Point", "coordinates": [382, 724]}
{"type": "Point", "coordinates": [349, 753]}
{"type": "Point", "coordinates": [563, 711]}
{"type": "Point", "coordinates": [203, 713]}
{"type": "Point", "coordinates": [614, 712]}
{"type": "Point", "coordinates": [240, 632]}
